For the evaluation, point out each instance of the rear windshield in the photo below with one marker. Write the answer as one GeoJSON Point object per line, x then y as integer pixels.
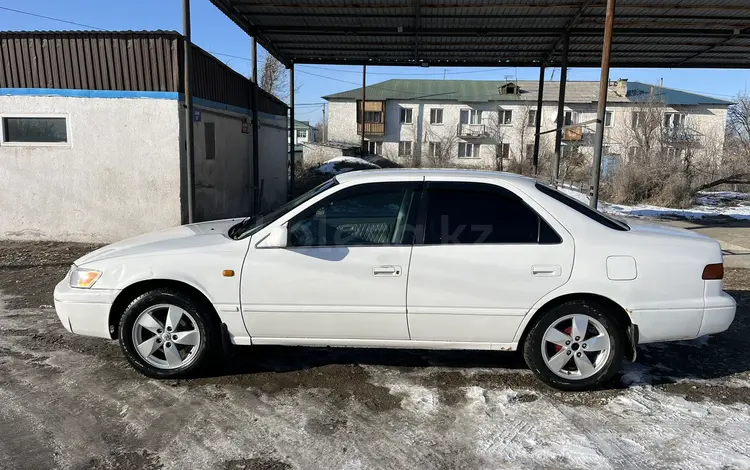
{"type": "Point", "coordinates": [582, 208]}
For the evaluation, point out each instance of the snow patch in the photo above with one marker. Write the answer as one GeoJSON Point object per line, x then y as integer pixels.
{"type": "Point", "coordinates": [339, 165]}
{"type": "Point", "coordinates": [708, 206]}
{"type": "Point", "coordinates": [416, 398]}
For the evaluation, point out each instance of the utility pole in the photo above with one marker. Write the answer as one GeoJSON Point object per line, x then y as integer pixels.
{"type": "Point", "coordinates": [601, 108]}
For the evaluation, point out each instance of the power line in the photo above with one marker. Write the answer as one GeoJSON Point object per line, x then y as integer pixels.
{"type": "Point", "coordinates": [21, 12]}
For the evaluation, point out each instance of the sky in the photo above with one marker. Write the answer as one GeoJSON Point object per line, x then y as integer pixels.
{"type": "Point", "coordinates": [215, 33]}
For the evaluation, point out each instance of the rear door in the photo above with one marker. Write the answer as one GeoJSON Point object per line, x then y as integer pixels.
{"type": "Point", "coordinates": [486, 255]}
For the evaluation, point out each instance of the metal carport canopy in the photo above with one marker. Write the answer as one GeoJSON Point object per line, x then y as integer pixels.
{"type": "Point", "coordinates": [647, 33]}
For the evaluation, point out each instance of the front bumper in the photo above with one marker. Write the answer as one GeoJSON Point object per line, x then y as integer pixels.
{"type": "Point", "coordinates": [84, 311]}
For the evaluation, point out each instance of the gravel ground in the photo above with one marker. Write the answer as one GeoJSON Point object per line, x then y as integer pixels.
{"type": "Point", "coordinates": [68, 401]}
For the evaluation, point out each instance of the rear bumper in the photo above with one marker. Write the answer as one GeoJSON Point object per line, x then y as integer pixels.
{"type": "Point", "coordinates": [718, 314]}
{"type": "Point", "coordinates": [678, 324]}
{"type": "Point", "coordinates": [84, 311]}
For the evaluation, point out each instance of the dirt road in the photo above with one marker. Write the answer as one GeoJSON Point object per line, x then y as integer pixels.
{"type": "Point", "coordinates": [73, 402]}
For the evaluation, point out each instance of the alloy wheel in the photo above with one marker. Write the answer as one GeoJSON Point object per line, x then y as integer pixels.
{"type": "Point", "coordinates": [576, 347]}
{"type": "Point", "coordinates": [166, 336]}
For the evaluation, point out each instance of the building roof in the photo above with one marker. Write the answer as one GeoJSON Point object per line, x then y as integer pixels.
{"type": "Point", "coordinates": [652, 33]}
{"type": "Point", "coordinates": [301, 124]}
{"type": "Point", "coordinates": [477, 91]}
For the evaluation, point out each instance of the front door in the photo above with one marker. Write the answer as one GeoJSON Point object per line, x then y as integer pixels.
{"type": "Point", "coordinates": [343, 274]}
{"type": "Point", "coordinates": [486, 257]}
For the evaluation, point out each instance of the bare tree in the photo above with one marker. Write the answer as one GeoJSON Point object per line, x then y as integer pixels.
{"type": "Point", "coordinates": [499, 132]}
{"type": "Point", "coordinates": [274, 77]}
{"type": "Point", "coordinates": [441, 143]}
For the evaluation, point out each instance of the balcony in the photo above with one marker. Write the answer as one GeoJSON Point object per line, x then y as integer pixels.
{"type": "Point", "coordinates": [681, 135]}
{"type": "Point", "coordinates": [472, 131]}
{"type": "Point", "coordinates": [573, 134]}
{"type": "Point", "coordinates": [371, 128]}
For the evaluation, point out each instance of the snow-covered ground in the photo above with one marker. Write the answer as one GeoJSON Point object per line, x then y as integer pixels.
{"type": "Point", "coordinates": [709, 204]}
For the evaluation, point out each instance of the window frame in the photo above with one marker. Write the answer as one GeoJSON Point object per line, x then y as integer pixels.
{"type": "Point", "coordinates": [474, 151]}
{"type": "Point", "coordinates": [304, 133]}
{"type": "Point", "coordinates": [65, 116]}
{"type": "Point", "coordinates": [403, 112]}
{"type": "Point", "coordinates": [421, 225]}
{"type": "Point", "coordinates": [434, 149]}
{"type": "Point", "coordinates": [434, 111]}
{"type": "Point", "coordinates": [501, 115]}
{"type": "Point", "coordinates": [611, 115]}
{"type": "Point", "coordinates": [531, 122]}
{"type": "Point", "coordinates": [408, 237]}
{"type": "Point", "coordinates": [401, 143]}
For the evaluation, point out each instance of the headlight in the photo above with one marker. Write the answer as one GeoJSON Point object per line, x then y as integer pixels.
{"type": "Point", "coordinates": [83, 278]}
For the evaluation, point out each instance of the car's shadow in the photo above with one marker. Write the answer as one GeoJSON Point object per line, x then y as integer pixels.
{"type": "Point", "coordinates": [712, 357]}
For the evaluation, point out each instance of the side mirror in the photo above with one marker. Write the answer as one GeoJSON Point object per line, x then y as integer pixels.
{"type": "Point", "coordinates": [276, 239]}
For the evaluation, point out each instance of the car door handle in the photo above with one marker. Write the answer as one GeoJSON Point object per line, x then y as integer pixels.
{"type": "Point", "coordinates": [546, 270]}
{"type": "Point", "coordinates": [386, 271]}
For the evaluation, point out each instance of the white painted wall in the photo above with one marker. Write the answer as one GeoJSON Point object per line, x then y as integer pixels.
{"type": "Point", "coordinates": [118, 175]}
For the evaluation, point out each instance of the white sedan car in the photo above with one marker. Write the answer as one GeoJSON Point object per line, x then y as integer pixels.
{"type": "Point", "coordinates": [432, 259]}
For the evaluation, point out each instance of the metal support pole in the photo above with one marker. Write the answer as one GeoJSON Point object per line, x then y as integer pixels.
{"type": "Point", "coordinates": [187, 86]}
{"type": "Point", "coordinates": [362, 115]}
{"type": "Point", "coordinates": [561, 107]}
{"type": "Point", "coordinates": [602, 104]}
{"type": "Point", "coordinates": [538, 123]}
{"type": "Point", "coordinates": [292, 132]}
{"type": "Point", "coordinates": [256, 128]}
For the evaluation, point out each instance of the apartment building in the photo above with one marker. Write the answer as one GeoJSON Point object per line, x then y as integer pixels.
{"type": "Point", "coordinates": [477, 123]}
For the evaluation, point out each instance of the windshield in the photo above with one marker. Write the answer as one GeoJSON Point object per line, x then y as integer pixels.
{"type": "Point", "coordinates": [256, 222]}
{"type": "Point", "coordinates": [578, 206]}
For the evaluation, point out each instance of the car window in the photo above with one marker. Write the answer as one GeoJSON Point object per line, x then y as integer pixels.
{"type": "Point", "coordinates": [583, 208]}
{"type": "Point", "coordinates": [469, 213]}
{"type": "Point", "coordinates": [372, 214]}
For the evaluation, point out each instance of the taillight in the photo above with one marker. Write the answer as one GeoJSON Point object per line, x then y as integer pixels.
{"type": "Point", "coordinates": [714, 271]}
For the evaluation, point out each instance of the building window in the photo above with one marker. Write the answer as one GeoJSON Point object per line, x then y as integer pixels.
{"type": "Point", "coordinates": [531, 118]}
{"type": "Point", "coordinates": [468, 150]}
{"type": "Point", "coordinates": [406, 115]}
{"type": "Point", "coordinates": [404, 148]}
{"type": "Point", "coordinates": [674, 120]}
{"type": "Point", "coordinates": [569, 118]}
{"type": "Point", "coordinates": [637, 118]}
{"type": "Point", "coordinates": [436, 116]}
{"type": "Point", "coordinates": [373, 147]}
{"type": "Point", "coordinates": [505, 117]}
{"type": "Point", "coordinates": [34, 130]}
{"type": "Point", "coordinates": [435, 149]}
{"type": "Point", "coordinates": [608, 119]}
{"type": "Point", "coordinates": [301, 134]}
{"type": "Point", "coordinates": [210, 130]}
{"type": "Point", "coordinates": [503, 151]}
{"type": "Point", "coordinates": [373, 116]}
{"type": "Point", "coordinates": [633, 151]}
{"type": "Point", "coordinates": [673, 152]}
{"type": "Point", "coordinates": [529, 151]}
{"type": "Point", "coordinates": [471, 116]}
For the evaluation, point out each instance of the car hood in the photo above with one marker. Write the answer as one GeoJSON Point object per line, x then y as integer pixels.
{"type": "Point", "coordinates": [200, 236]}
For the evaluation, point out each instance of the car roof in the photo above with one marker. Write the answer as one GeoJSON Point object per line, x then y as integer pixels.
{"type": "Point", "coordinates": [396, 174]}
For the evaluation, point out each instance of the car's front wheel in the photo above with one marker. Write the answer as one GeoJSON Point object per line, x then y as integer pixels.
{"type": "Point", "coordinates": [577, 345]}
{"type": "Point", "coordinates": [166, 334]}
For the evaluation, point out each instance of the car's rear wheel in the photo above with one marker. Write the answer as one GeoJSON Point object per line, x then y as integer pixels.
{"type": "Point", "coordinates": [577, 345]}
{"type": "Point", "coordinates": [166, 334]}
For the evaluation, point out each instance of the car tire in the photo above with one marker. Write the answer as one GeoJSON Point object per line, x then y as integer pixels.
{"type": "Point", "coordinates": [180, 334]}
{"type": "Point", "coordinates": [553, 351]}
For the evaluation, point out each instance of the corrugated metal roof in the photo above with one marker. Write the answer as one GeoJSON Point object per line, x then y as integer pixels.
{"type": "Point", "coordinates": [648, 33]}
{"type": "Point", "coordinates": [475, 91]}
